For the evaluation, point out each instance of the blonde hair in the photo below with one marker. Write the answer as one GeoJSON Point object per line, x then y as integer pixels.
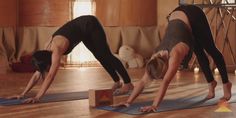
{"type": "Point", "coordinates": [156, 67]}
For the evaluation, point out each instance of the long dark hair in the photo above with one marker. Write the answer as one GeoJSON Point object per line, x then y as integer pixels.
{"type": "Point", "coordinates": [42, 60]}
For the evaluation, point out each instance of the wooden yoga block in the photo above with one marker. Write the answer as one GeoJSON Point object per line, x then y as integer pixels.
{"type": "Point", "coordinates": [101, 97]}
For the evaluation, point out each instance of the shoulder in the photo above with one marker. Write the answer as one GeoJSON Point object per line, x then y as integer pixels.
{"type": "Point", "coordinates": [181, 49]}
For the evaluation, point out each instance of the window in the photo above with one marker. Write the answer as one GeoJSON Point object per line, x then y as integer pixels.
{"type": "Point", "coordinates": [80, 54]}
{"type": "Point", "coordinates": [229, 4]}
{"type": "Point", "coordinates": [228, 1]}
{"type": "Point", "coordinates": [204, 1]}
{"type": "Point", "coordinates": [82, 7]}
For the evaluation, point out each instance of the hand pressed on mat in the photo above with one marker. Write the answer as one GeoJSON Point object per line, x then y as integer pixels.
{"type": "Point", "coordinates": [31, 100]}
{"type": "Point", "coordinates": [121, 104]}
{"type": "Point", "coordinates": [148, 109]}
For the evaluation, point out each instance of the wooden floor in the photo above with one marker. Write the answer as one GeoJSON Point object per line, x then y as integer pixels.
{"type": "Point", "coordinates": [82, 79]}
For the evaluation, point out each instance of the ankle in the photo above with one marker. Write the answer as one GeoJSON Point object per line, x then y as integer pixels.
{"type": "Point", "coordinates": [117, 85]}
{"type": "Point", "coordinates": [117, 82]}
{"type": "Point", "coordinates": [129, 85]}
{"type": "Point", "coordinates": [227, 83]}
{"type": "Point", "coordinates": [213, 83]}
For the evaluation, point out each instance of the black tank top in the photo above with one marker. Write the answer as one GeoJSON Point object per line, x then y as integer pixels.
{"type": "Point", "coordinates": [197, 19]}
{"type": "Point", "coordinates": [177, 31]}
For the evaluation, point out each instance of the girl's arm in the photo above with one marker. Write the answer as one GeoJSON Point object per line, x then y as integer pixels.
{"type": "Point", "coordinates": [34, 79]}
{"type": "Point", "coordinates": [138, 88]}
{"type": "Point", "coordinates": [135, 93]}
{"type": "Point", "coordinates": [173, 63]}
{"type": "Point", "coordinates": [56, 55]}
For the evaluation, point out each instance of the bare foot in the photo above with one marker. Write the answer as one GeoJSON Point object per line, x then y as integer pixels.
{"type": "Point", "coordinates": [211, 93]}
{"type": "Point", "coordinates": [116, 85]}
{"type": "Point", "coordinates": [227, 91]}
{"type": "Point", "coordinates": [126, 88]}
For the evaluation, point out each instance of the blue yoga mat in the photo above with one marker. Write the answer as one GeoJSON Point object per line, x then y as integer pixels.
{"type": "Point", "coordinates": [172, 104]}
{"type": "Point", "coordinates": [49, 98]}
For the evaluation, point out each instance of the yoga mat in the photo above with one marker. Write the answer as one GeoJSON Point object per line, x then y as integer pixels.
{"type": "Point", "coordinates": [49, 98]}
{"type": "Point", "coordinates": [172, 104]}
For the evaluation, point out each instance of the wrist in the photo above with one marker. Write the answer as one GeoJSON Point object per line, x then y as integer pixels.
{"type": "Point", "coordinates": [127, 104]}
{"type": "Point", "coordinates": [22, 94]}
{"type": "Point", "coordinates": [37, 97]}
{"type": "Point", "coordinates": [154, 105]}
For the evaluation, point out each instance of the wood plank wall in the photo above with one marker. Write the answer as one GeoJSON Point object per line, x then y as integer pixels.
{"type": "Point", "coordinates": [43, 12]}
{"type": "Point", "coordinates": [8, 13]}
{"type": "Point", "coordinates": [127, 12]}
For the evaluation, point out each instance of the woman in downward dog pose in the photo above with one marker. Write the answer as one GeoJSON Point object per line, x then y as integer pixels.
{"type": "Point", "coordinates": [88, 30]}
{"type": "Point", "coordinates": [188, 30]}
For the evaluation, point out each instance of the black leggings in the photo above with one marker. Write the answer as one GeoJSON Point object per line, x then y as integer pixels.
{"type": "Point", "coordinates": [95, 40]}
{"type": "Point", "coordinates": [205, 42]}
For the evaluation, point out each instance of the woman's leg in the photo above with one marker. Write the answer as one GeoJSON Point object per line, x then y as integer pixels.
{"type": "Point", "coordinates": [99, 55]}
{"type": "Point", "coordinates": [95, 41]}
{"type": "Point", "coordinates": [112, 62]}
{"type": "Point", "coordinates": [204, 64]}
{"type": "Point", "coordinates": [206, 41]}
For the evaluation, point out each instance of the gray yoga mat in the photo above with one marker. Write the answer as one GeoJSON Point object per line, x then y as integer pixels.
{"type": "Point", "coordinates": [49, 98]}
{"type": "Point", "coordinates": [172, 104]}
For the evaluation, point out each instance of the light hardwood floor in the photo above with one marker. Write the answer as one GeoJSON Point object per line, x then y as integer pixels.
{"type": "Point", "coordinates": [82, 79]}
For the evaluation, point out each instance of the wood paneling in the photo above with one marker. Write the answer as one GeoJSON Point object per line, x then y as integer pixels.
{"type": "Point", "coordinates": [43, 12]}
{"type": "Point", "coordinates": [8, 13]}
{"type": "Point", "coordinates": [108, 11]}
{"type": "Point", "coordinates": [138, 13]}
{"type": "Point", "coordinates": [148, 12]}
{"type": "Point", "coordinates": [127, 12]}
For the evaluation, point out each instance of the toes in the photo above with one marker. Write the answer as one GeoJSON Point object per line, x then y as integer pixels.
{"type": "Point", "coordinates": [116, 86]}
{"type": "Point", "coordinates": [121, 92]}
{"type": "Point", "coordinates": [225, 98]}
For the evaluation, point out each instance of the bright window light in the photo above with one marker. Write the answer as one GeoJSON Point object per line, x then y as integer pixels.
{"type": "Point", "coordinates": [80, 54]}
{"type": "Point", "coordinates": [228, 1]}
{"type": "Point", "coordinates": [82, 7]}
